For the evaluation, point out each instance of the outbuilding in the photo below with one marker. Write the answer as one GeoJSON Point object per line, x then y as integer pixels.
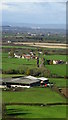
{"type": "Point", "coordinates": [24, 82]}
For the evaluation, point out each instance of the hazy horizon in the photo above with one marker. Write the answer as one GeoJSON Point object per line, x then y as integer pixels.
{"type": "Point", "coordinates": [33, 25]}
{"type": "Point", "coordinates": [44, 14]}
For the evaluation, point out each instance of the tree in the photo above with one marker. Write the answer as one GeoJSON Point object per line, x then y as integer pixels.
{"type": "Point", "coordinates": [11, 53]}
{"type": "Point", "coordinates": [37, 61]}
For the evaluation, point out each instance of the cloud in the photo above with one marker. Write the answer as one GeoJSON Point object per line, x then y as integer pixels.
{"type": "Point", "coordinates": [41, 12]}
{"type": "Point", "coordinates": [12, 4]}
{"type": "Point", "coordinates": [34, 7]}
{"type": "Point", "coordinates": [34, 1]}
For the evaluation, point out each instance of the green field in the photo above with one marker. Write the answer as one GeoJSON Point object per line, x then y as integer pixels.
{"type": "Point", "coordinates": [60, 70]}
{"type": "Point", "coordinates": [16, 64]}
{"type": "Point", "coordinates": [25, 47]}
{"type": "Point", "coordinates": [34, 95]}
{"type": "Point", "coordinates": [36, 111]}
{"type": "Point", "coordinates": [56, 57]}
{"type": "Point", "coordinates": [10, 75]}
{"type": "Point", "coordinates": [59, 82]}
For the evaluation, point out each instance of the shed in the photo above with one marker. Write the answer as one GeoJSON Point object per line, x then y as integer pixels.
{"type": "Point", "coordinates": [44, 80]}
{"type": "Point", "coordinates": [25, 82]}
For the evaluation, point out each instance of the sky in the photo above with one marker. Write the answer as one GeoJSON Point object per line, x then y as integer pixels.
{"type": "Point", "coordinates": [34, 11]}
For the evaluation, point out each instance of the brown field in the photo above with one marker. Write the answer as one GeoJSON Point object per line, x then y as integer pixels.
{"type": "Point", "coordinates": [65, 92]}
{"type": "Point", "coordinates": [46, 45]}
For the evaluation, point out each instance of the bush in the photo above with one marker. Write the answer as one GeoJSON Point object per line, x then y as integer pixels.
{"type": "Point", "coordinates": [28, 72]}
{"type": "Point", "coordinates": [42, 72]}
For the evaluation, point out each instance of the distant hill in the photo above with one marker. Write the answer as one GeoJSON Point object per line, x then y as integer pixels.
{"type": "Point", "coordinates": [35, 26]}
{"type": "Point", "coordinates": [24, 29]}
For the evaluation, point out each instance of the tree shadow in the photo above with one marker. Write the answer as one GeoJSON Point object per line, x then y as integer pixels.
{"type": "Point", "coordinates": [16, 112]}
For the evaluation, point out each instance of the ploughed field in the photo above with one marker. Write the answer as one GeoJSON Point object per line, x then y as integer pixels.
{"type": "Point", "coordinates": [45, 45]}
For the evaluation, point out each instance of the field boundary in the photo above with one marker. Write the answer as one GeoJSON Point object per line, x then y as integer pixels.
{"type": "Point", "coordinates": [36, 104]}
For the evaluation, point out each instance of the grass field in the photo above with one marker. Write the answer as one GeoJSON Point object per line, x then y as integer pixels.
{"type": "Point", "coordinates": [15, 63]}
{"type": "Point", "coordinates": [58, 69]}
{"type": "Point", "coordinates": [36, 111]}
{"type": "Point", "coordinates": [32, 95]}
{"type": "Point", "coordinates": [56, 57]}
{"type": "Point", "coordinates": [59, 82]}
{"type": "Point", "coordinates": [10, 75]}
{"type": "Point", "coordinates": [26, 47]}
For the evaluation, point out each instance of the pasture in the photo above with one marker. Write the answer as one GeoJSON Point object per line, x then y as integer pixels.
{"type": "Point", "coordinates": [59, 82]}
{"type": "Point", "coordinates": [17, 64]}
{"type": "Point", "coordinates": [60, 70]}
{"type": "Point", "coordinates": [34, 95]}
{"type": "Point", "coordinates": [56, 57]}
{"type": "Point", "coordinates": [36, 111]}
{"type": "Point", "coordinates": [24, 47]}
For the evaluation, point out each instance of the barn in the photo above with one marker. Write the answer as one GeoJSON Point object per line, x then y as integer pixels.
{"type": "Point", "coordinates": [24, 82]}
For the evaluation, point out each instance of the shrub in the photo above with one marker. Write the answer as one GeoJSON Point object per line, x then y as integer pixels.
{"type": "Point", "coordinates": [28, 72]}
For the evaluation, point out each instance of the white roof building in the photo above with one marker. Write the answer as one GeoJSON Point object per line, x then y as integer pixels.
{"type": "Point", "coordinates": [43, 78]}
{"type": "Point", "coordinates": [31, 77]}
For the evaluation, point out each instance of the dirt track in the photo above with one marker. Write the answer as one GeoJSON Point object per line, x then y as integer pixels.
{"type": "Point", "coordinates": [46, 45]}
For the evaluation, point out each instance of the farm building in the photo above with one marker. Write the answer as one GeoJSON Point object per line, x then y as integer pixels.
{"type": "Point", "coordinates": [17, 55]}
{"type": "Point", "coordinates": [54, 62]}
{"type": "Point", "coordinates": [28, 56]}
{"type": "Point", "coordinates": [24, 82]}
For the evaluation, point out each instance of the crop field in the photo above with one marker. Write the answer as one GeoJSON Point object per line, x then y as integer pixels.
{"type": "Point", "coordinates": [45, 45]}
{"type": "Point", "coordinates": [36, 111]}
{"type": "Point", "coordinates": [34, 95]}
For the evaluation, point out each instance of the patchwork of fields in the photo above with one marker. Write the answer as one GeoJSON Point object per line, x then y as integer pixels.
{"type": "Point", "coordinates": [15, 63]}
{"type": "Point", "coordinates": [35, 95]}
